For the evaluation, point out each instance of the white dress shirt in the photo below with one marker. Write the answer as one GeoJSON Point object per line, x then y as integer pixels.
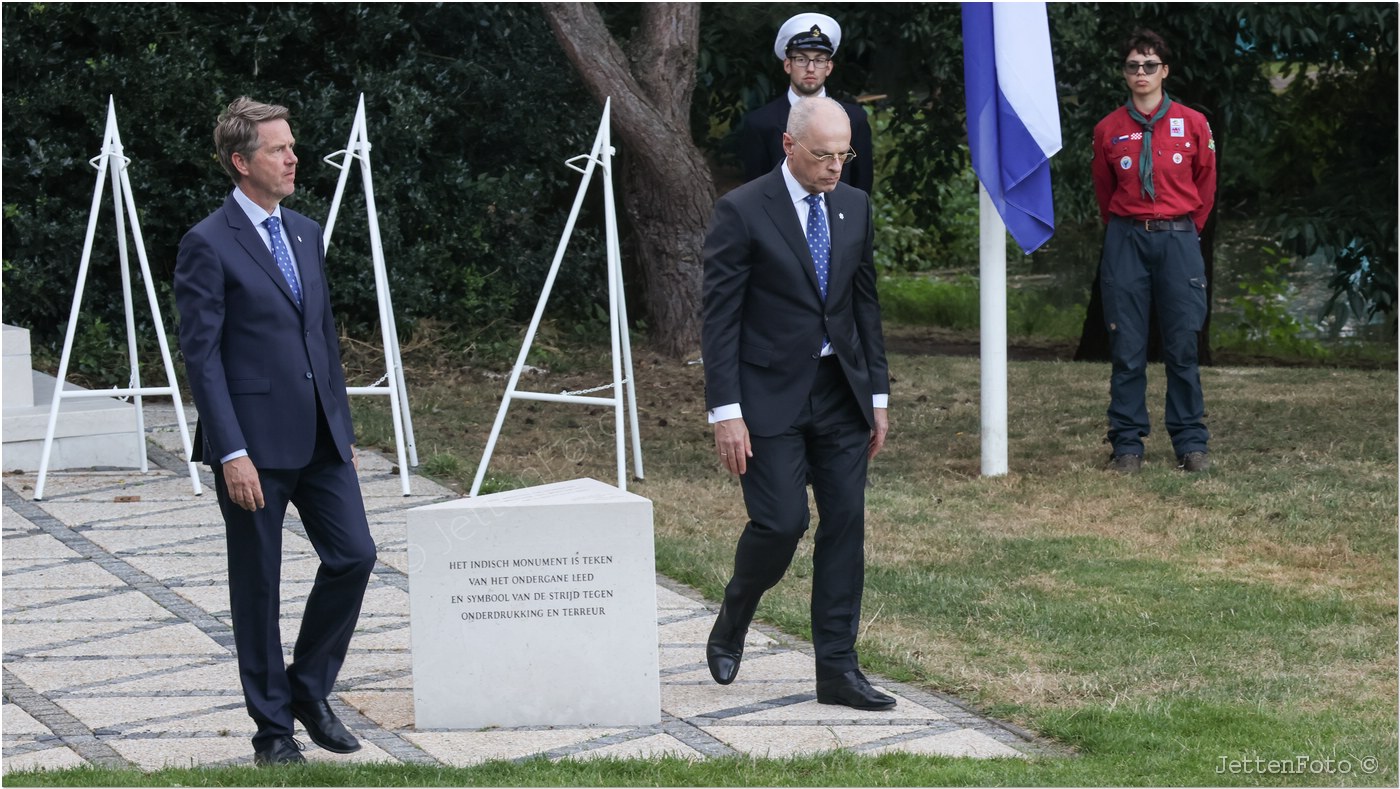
{"type": "Point", "coordinates": [258, 217]}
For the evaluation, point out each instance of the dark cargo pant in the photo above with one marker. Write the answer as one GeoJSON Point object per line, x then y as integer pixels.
{"type": "Point", "coordinates": [1142, 269]}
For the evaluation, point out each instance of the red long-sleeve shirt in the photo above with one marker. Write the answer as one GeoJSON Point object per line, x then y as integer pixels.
{"type": "Point", "coordinates": [1183, 166]}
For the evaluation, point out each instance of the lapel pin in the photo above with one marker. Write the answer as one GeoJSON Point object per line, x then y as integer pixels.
{"type": "Point", "coordinates": [298, 239]}
{"type": "Point", "coordinates": [840, 215]}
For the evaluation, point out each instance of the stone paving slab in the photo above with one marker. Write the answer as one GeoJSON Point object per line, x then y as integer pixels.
{"type": "Point", "coordinates": [118, 649]}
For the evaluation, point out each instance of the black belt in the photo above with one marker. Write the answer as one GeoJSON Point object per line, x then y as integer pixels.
{"type": "Point", "coordinates": [1156, 225]}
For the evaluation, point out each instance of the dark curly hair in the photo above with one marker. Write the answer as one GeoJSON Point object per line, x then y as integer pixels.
{"type": "Point", "coordinates": [1145, 41]}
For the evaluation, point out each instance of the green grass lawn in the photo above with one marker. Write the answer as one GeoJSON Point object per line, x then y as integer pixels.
{"type": "Point", "coordinates": [1155, 624]}
{"type": "Point", "coordinates": [1163, 629]}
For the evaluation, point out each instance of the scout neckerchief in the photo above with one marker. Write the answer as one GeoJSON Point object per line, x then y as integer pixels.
{"type": "Point", "coordinates": [1145, 158]}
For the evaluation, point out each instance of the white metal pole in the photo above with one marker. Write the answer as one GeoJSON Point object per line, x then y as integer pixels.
{"type": "Point", "coordinates": [539, 312]}
{"type": "Point", "coordinates": [100, 163]}
{"type": "Point", "coordinates": [993, 323]}
{"type": "Point", "coordinates": [381, 279]}
{"type": "Point", "coordinates": [118, 163]}
{"type": "Point", "coordinates": [358, 147]}
{"type": "Point", "coordinates": [164, 344]}
{"type": "Point", "coordinates": [355, 134]}
{"type": "Point", "coordinates": [628, 376]}
{"type": "Point", "coordinates": [614, 287]}
{"type": "Point", "coordinates": [124, 206]}
{"type": "Point", "coordinates": [614, 257]}
{"type": "Point", "coordinates": [402, 402]}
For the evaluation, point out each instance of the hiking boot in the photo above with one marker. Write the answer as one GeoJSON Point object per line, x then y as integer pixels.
{"type": "Point", "coordinates": [1194, 461]}
{"type": "Point", "coordinates": [1125, 464]}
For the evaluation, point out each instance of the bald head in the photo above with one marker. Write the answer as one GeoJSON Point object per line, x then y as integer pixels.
{"type": "Point", "coordinates": [818, 134]}
{"type": "Point", "coordinates": [819, 110]}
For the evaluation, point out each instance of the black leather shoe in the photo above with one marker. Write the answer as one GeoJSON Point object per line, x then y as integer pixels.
{"type": "Point", "coordinates": [724, 662]}
{"type": "Point", "coordinates": [323, 727]}
{"type": "Point", "coordinates": [852, 690]}
{"type": "Point", "coordinates": [278, 750]}
{"type": "Point", "coordinates": [725, 649]}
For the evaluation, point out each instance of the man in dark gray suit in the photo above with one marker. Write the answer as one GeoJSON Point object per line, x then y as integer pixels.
{"type": "Point", "coordinates": [797, 386]}
{"type": "Point", "coordinates": [263, 358]}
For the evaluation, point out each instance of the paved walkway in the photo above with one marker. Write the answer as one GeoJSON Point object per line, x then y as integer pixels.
{"type": "Point", "coordinates": [118, 649]}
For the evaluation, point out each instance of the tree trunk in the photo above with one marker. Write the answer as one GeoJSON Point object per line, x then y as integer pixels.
{"type": "Point", "coordinates": [1203, 355]}
{"type": "Point", "coordinates": [1093, 338]}
{"type": "Point", "coordinates": [667, 190]}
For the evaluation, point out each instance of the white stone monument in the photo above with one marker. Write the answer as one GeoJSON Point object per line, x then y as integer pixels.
{"type": "Point", "coordinates": [534, 607]}
{"type": "Point", "coordinates": [95, 431]}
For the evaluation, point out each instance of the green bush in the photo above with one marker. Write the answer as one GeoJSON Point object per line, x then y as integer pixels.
{"type": "Point", "coordinates": [923, 301]}
{"type": "Point", "coordinates": [470, 112]}
{"type": "Point", "coordinates": [902, 241]}
{"type": "Point", "coordinates": [956, 304]}
{"type": "Point", "coordinates": [1260, 321]}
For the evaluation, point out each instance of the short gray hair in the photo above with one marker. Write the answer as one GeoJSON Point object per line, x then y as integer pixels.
{"type": "Point", "coordinates": [801, 115]}
{"type": "Point", "coordinates": [237, 130]}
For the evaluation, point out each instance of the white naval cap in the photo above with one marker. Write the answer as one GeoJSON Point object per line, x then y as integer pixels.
{"type": "Point", "coordinates": [808, 31]}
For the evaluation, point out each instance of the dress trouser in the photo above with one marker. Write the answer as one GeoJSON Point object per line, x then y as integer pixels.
{"type": "Point", "coordinates": [1140, 270]}
{"type": "Point", "coordinates": [829, 440]}
{"type": "Point", "coordinates": [327, 495]}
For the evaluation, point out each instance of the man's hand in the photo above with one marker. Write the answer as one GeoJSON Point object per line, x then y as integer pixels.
{"type": "Point", "coordinates": [244, 489]}
{"type": "Point", "coordinates": [732, 443]}
{"type": "Point", "coordinates": [877, 435]}
{"type": "Point", "coordinates": [355, 458]}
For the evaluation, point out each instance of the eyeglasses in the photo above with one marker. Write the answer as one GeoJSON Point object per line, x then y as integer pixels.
{"type": "Point", "coordinates": [802, 61]}
{"type": "Point", "coordinates": [843, 158]}
{"type": "Point", "coordinates": [1150, 67]}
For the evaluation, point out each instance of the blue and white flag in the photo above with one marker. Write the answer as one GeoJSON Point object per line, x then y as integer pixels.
{"type": "Point", "coordinates": [1013, 118]}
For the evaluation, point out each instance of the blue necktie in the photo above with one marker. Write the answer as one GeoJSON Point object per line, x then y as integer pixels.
{"type": "Point", "coordinates": [283, 256]}
{"type": "Point", "coordinates": [818, 241]}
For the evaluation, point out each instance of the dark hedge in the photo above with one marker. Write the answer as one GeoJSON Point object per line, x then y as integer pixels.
{"type": "Point", "coordinates": [471, 113]}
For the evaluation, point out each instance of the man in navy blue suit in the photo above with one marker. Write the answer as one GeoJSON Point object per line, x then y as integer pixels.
{"type": "Point", "coordinates": [263, 358]}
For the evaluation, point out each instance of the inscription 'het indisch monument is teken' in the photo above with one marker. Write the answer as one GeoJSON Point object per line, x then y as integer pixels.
{"type": "Point", "coordinates": [558, 595]}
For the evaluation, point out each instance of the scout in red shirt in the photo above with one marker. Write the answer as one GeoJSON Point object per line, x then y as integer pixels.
{"type": "Point", "coordinates": [1154, 177]}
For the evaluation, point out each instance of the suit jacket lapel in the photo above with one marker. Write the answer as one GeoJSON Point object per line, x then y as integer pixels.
{"type": "Point", "coordinates": [836, 210]}
{"type": "Point", "coordinates": [784, 215]}
{"type": "Point", "coordinates": [252, 243]}
{"type": "Point", "coordinates": [304, 247]}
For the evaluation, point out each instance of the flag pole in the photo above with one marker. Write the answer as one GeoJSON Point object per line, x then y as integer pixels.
{"type": "Point", "coordinates": [1013, 128]}
{"type": "Point", "coordinates": [993, 335]}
